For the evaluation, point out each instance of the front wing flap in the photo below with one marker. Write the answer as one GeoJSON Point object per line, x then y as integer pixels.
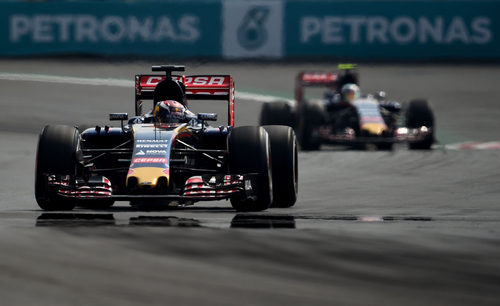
{"type": "Point", "coordinates": [196, 188]}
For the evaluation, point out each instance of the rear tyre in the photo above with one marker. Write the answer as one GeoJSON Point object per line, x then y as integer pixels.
{"type": "Point", "coordinates": [56, 154]}
{"type": "Point", "coordinates": [277, 113]}
{"type": "Point", "coordinates": [249, 152]}
{"type": "Point", "coordinates": [419, 114]}
{"type": "Point", "coordinates": [310, 116]}
{"type": "Point", "coordinates": [284, 165]}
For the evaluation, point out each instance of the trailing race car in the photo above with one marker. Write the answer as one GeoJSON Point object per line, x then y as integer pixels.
{"type": "Point", "coordinates": [345, 117]}
{"type": "Point", "coordinates": [169, 155]}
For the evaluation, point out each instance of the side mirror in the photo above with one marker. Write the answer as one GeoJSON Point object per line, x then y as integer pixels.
{"type": "Point", "coordinates": [207, 116]}
{"type": "Point", "coordinates": [118, 116]}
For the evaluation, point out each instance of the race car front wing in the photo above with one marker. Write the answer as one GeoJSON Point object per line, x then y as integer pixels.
{"type": "Point", "coordinates": [348, 136]}
{"type": "Point", "coordinates": [196, 188]}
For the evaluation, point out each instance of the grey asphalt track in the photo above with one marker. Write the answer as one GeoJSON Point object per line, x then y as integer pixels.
{"type": "Point", "coordinates": [369, 228]}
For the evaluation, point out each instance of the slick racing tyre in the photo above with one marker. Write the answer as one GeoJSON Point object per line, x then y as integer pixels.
{"type": "Point", "coordinates": [277, 113]}
{"type": "Point", "coordinates": [419, 114]}
{"type": "Point", "coordinates": [284, 165]}
{"type": "Point", "coordinates": [56, 154]}
{"type": "Point", "coordinates": [249, 152]}
{"type": "Point", "coordinates": [310, 116]}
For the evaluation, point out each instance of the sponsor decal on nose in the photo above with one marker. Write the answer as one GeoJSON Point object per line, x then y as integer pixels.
{"type": "Point", "coordinates": [149, 160]}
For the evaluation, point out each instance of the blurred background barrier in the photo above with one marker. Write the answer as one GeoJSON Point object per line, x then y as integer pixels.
{"type": "Point", "coordinates": [182, 28]}
{"type": "Point", "coordinates": [363, 29]}
{"type": "Point", "coordinates": [401, 29]}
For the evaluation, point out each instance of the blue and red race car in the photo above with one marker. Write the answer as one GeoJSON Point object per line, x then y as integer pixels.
{"type": "Point", "coordinates": [171, 160]}
{"type": "Point", "coordinates": [368, 119]}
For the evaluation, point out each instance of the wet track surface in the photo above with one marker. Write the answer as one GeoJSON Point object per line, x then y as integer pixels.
{"type": "Point", "coordinates": [369, 228]}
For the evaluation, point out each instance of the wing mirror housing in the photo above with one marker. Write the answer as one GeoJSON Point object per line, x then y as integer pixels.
{"type": "Point", "coordinates": [118, 116]}
{"type": "Point", "coordinates": [207, 116]}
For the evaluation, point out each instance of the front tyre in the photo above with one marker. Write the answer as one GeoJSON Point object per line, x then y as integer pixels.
{"type": "Point", "coordinates": [419, 114]}
{"type": "Point", "coordinates": [56, 154]}
{"type": "Point", "coordinates": [250, 152]}
{"type": "Point", "coordinates": [284, 165]}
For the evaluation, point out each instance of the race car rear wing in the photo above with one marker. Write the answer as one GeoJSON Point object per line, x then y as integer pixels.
{"type": "Point", "coordinates": [314, 79]}
{"type": "Point", "coordinates": [197, 87]}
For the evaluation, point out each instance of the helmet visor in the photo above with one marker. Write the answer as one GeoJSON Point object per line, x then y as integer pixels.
{"type": "Point", "coordinates": [350, 95]}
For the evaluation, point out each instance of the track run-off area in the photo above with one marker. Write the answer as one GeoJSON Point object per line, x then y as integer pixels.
{"type": "Point", "coordinates": [369, 228]}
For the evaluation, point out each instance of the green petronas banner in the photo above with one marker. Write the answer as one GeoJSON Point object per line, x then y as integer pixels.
{"type": "Point", "coordinates": [111, 27]}
{"type": "Point", "coordinates": [393, 29]}
{"type": "Point", "coordinates": [357, 29]}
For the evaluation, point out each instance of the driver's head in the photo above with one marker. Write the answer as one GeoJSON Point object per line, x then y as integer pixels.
{"type": "Point", "coordinates": [169, 111]}
{"type": "Point", "coordinates": [350, 92]}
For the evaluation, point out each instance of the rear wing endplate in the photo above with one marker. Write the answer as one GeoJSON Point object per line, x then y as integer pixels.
{"type": "Point", "coordinates": [198, 87]}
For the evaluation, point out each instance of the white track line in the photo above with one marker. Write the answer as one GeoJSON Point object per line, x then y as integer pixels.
{"type": "Point", "coordinates": [115, 83]}
{"type": "Point", "coordinates": [66, 79]}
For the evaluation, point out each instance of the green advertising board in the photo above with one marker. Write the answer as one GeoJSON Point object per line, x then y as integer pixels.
{"type": "Point", "coordinates": [187, 28]}
{"type": "Point", "coordinates": [393, 29]}
{"type": "Point", "coordinates": [357, 29]}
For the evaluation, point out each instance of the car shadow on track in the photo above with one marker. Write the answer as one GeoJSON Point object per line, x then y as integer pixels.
{"type": "Point", "coordinates": [92, 219]}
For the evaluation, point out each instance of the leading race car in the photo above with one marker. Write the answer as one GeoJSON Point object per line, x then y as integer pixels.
{"type": "Point", "coordinates": [170, 155]}
{"type": "Point", "coordinates": [346, 117]}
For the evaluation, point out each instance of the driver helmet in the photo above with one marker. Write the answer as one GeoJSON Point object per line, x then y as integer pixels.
{"type": "Point", "coordinates": [350, 92]}
{"type": "Point", "coordinates": [169, 111]}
